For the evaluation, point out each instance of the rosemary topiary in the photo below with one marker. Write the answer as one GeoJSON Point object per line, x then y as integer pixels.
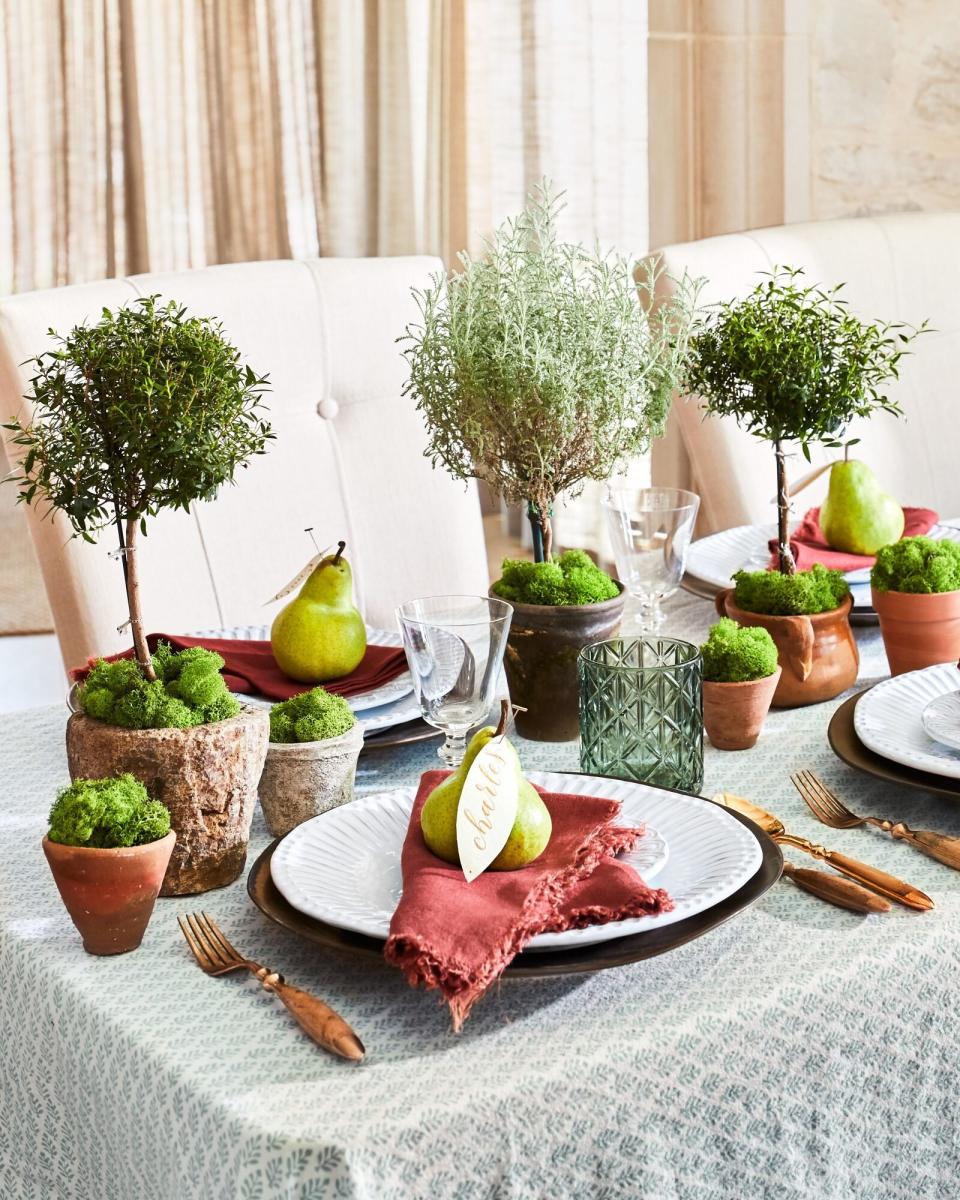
{"type": "Point", "coordinates": [107, 814]}
{"type": "Point", "coordinates": [803, 594]}
{"type": "Point", "coordinates": [539, 365]}
{"type": "Point", "coordinates": [312, 716]}
{"type": "Point", "coordinates": [573, 579]}
{"type": "Point", "coordinates": [918, 565]}
{"type": "Point", "coordinates": [737, 654]}
{"type": "Point", "coordinates": [148, 409]}
{"type": "Point", "coordinates": [187, 690]}
{"type": "Point", "coordinates": [792, 364]}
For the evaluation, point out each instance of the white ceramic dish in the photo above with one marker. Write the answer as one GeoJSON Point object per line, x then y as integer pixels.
{"type": "Point", "coordinates": [343, 867]}
{"type": "Point", "coordinates": [941, 718]}
{"type": "Point", "coordinates": [889, 719]}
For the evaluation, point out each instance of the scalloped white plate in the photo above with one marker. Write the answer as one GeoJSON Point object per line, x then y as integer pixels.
{"type": "Point", "coordinates": [343, 867]}
{"type": "Point", "coordinates": [889, 719]}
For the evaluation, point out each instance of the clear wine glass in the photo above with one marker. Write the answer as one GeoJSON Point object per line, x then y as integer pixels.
{"type": "Point", "coordinates": [650, 529]}
{"type": "Point", "coordinates": [454, 647]}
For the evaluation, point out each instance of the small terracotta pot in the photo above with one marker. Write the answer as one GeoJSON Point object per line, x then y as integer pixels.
{"type": "Point", "coordinates": [733, 713]}
{"type": "Point", "coordinates": [300, 780]}
{"type": "Point", "coordinates": [818, 653]}
{"type": "Point", "coordinates": [919, 629]}
{"type": "Point", "coordinates": [541, 662]}
{"type": "Point", "coordinates": [109, 894]}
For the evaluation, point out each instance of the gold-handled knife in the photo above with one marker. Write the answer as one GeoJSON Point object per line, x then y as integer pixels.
{"type": "Point", "coordinates": [878, 881]}
{"type": "Point", "coordinates": [836, 889]}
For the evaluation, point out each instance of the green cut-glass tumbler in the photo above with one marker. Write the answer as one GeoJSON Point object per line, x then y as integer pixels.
{"type": "Point", "coordinates": [641, 711]}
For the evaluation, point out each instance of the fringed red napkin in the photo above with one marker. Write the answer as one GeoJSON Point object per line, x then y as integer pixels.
{"type": "Point", "coordinates": [459, 937]}
{"type": "Point", "coordinates": [250, 668]}
{"type": "Point", "coordinates": [809, 546]}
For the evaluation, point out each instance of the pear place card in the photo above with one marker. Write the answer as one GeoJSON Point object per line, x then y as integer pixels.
{"type": "Point", "coordinates": [488, 806]}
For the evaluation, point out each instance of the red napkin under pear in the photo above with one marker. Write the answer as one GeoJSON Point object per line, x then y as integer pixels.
{"type": "Point", "coordinates": [809, 546]}
{"type": "Point", "coordinates": [459, 937]}
{"type": "Point", "coordinates": [250, 668]}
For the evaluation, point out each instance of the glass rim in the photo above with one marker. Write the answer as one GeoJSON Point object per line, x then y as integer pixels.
{"type": "Point", "coordinates": [506, 613]}
{"type": "Point", "coordinates": [607, 499]}
{"type": "Point", "coordinates": [587, 660]}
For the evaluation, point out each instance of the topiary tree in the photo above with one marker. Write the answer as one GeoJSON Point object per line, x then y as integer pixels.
{"type": "Point", "coordinates": [148, 409]}
{"type": "Point", "coordinates": [539, 366]}
{"type": "Point", "coordinates": [791, 363]}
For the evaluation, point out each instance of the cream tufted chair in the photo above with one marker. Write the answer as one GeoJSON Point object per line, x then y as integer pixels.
{"type": "Point", "coordinates": [902, 267]}
{"type": "Point", "coordinates": [348, 457]}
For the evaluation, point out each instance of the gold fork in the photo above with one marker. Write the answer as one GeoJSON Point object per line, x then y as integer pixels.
{"type": "Point", "coordinates": [217, 956]}
{"type": "Point", "coordinates": [827, 807]}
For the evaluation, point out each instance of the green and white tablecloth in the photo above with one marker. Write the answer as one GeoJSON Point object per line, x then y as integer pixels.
{"type": "Point", "coordinates": [797, 1051]}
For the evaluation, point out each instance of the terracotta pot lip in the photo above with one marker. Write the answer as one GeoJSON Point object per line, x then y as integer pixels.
{"type": "Point", "coordinates": [744, 684]}
{"type": "Point", "coordinates": [110, 851]}
{"type": "Point", "coordinates": [842, 609]}
{"type": "Point", "coordinates": [923, 596]}
{"type": "Point", "coordinates": [599, 606]}
{"type": "Point", "coordinates": [246, 712]}
{"type": "Point", "coordinates": [332, 743]}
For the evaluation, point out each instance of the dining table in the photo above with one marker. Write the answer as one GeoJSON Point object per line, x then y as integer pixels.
{"type": "Point", "coordinates": [797, 1050]}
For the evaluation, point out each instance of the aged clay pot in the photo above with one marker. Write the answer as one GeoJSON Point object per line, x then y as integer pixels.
{"type": "Point", "coordinates": [541, 662]}
{"type": "Point", "coordinates": [206, 776]}
{"type": "Point", "coordinates": [818, 654]}
{"type": "Point", "coordinates": [919, 630]}
{"type": "Point", "coordinates": [109, 894]}
{"type": "Point", "coordinates": [733, 713]}
{"type": "Point", "coordinates": [302, 779]}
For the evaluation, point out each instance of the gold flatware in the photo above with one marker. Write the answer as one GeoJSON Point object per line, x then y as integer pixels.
{"type": "Point", "coordinates": [878, 881]}
{"type": "Point", "coordinates": [827, 807]}
{"type": "Point", "coordinates": [836, 889]}
{"type": "Point", "coordinates": [216, 956]}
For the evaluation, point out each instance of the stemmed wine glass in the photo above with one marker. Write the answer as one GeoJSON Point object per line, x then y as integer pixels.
{"type": "Point", "coordinates": [454, 647]}
{"type": "Point", "coordinates": [650, 529]}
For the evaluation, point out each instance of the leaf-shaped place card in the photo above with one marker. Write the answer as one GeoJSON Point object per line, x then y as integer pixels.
{"type": "Point", "coordinates": [300, 576]}
{"type": "Point", "coordinates": [488, 806]}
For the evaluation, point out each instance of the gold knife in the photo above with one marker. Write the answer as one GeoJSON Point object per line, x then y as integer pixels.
{"type": "Point", "coordinates": [836, 889]}
{"type": "Point", "coordinates": [878, 881]}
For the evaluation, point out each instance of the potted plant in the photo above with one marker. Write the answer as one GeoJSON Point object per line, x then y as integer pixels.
{"type": "Point", "coordinates": [915, 584]}
{"type": "Point", "coordinates": [537, 367]}
{"type": "Point", "coordinates": [315, 742]}
{"type": "Point", "coordinates": [792, 364]}
{"type": "Point", "coordinates": [740, 675]}
{"type": "Point", "coordinates": [148, 410]}
{"type": "Point", "coordinates": [108, 847]}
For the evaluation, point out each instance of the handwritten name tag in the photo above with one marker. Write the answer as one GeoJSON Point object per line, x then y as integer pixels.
{"type": "Point", "coordinates": [488, 807]}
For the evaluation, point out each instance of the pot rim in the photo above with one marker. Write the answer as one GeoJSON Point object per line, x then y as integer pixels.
{"type": "Point", "coordinates": [842, 609]}
{"type": "Point", "coordinates": [343, 741]}
{"type": "Point", "coordinates": [598, 606]}
{"type": "Point", "coordinates": [110, 851]}
{"type": "Point", "coordinates": [743, 683]}
{"type": "Point", "coordinates": [914, 595]}
{"type": "Point", "coordinates": [246, 711]}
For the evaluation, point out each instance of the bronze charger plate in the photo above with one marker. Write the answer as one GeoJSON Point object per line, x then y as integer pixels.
{"type": "Point", "coordinates": [416, 730]}
{"type": "Point", "coordinates": [845, 744]}
{"type": "Point", "coordinates": [617, 952]}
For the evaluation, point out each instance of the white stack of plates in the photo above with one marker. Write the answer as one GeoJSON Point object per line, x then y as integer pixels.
{"type": "Point", "coordinates": [914, 720]}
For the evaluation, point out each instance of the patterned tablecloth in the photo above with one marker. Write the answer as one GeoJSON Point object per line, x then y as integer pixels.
{"type": "Point", "coordinates": [797, 1051]}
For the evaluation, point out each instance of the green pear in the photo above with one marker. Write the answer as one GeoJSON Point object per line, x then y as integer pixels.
{"type": "Point", "coordinates": [857, 516]}
{"type": "Point", "coordinates": [531, 828]}
{"type": "Point", "coordinates": [320, 635]}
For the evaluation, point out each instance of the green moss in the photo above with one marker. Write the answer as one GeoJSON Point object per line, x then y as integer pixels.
{"type": "Point", "coordinates": [917, 564]}
{"type": "Point", "coordinates": [189, 690]}
{"type": "Point", "coordinates": [310, 717]}
{"type": "Point", "coordinates": [736, 654]}
{"type": "Point", "coordinates": [574, 578]}
{"type": "Point", "coordinates": [107, 813]}
{"type": "Point", "coordinates": [803, 594]}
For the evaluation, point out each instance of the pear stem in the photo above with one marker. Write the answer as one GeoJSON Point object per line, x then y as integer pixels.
{"type": "Point", "coordinates": [505, 714]}
{"type": "Point", "coordinates": [341, 546]}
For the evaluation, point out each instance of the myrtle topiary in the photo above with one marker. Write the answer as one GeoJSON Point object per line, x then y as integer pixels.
{"type": "Point", "coordinates": [804, 594]}
{"type": "Point", "coordinates": [574, 578]}
{"type": "Point", "coordinates": [312, 716]}
{"type": "Point", "coordinates": [107, 814]}
{"type": "Point", "coordinates": [737, 654]}
{"type": "Point", "coordinates": [917, 564]}
{"type": "Point", "coordinates": [188, 690]}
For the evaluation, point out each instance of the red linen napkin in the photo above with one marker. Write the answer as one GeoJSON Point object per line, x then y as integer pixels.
{"type": "Point", "coordinates": [458, 936]}
{"type": "Point", "coordinates": [809, 546]}
{"type": "Point", "coordinates": [250, 667]}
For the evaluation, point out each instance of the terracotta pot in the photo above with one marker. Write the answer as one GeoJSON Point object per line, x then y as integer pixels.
{"type": "Point", "coordinates": [206, 776]}
{"type": "Point", "coordinates": [818, 654]}
{"type": "Point", "coordinates": [733, 713]}
{"type": "Point", "coordinates": [300, 780]}
{"type": "Point", "coordinates": [109, 894]}
{"type": "Point", "coordinates": [919, 629]}
{"type": "Point", "coordinates": [541, 662]}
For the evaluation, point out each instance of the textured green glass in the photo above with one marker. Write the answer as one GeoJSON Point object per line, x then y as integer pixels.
{"type": "Point", "coordinates": [641, 712]}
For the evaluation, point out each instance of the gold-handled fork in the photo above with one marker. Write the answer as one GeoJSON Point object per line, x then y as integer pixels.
{"type": "Point", "coordinates": [827, 807]}
{"type": "Point", "coordinates": [216, 956]}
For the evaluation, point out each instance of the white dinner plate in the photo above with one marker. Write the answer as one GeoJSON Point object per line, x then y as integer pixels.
{"type": "Point", "coordinates": [888, 719]}
{"type": "Point", "coordinates": [343, 867]}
